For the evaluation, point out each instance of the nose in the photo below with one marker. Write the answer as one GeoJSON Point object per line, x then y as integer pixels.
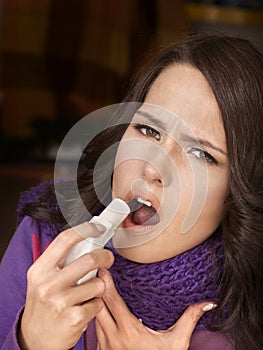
{"type": "Point", "coordinates": [160, 170]}
{"type": "Point", "coordinates": [152, 174]}
{"type": "Point", "coordinates": [160, 166]}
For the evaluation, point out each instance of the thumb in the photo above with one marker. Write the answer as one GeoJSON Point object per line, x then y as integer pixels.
{"type": "Point", "coordinates": [187, 322]}
{"type": "Point", "coordinates": [114, 301]}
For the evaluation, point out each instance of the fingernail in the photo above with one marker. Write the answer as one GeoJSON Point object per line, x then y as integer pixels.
{"type": "Point", "coordinates": [100, 228]}
{"type": "Point", "coordinates": [103, 272]}
{"type": "Point", "coordinates": [209, 307]}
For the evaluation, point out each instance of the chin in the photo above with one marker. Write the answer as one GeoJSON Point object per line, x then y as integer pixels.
{"type": "Point", "coordinates": [157, 250]}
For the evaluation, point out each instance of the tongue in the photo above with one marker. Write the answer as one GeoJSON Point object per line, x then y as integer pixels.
{"type": "Point", "coordinates": [145, 216]}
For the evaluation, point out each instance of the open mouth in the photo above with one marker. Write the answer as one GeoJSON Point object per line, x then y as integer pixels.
{"type": "Point", "coordinates": [142, 213]}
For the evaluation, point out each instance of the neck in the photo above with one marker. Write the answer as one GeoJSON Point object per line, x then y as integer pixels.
{"type": "Point", "coordinates": [159, 292]}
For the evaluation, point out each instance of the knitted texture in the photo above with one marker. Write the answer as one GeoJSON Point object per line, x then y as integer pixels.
{"type": "Point", "coordinates": [158, 293]}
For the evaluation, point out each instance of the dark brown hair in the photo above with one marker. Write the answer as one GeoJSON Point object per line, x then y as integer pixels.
{"type": "Point", "coordinates": [233, 68]}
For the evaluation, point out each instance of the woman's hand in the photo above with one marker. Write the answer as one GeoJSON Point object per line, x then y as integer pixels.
{"type": "Point", "coordinates": [118, 329]}
{"type": "Point", "coordinates": [57, 311]}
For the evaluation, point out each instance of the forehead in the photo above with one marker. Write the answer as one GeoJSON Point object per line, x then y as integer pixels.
{"type": "Point", "coordinates": [183, 90]}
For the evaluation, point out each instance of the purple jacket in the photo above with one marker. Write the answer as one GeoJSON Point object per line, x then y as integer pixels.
{"type": "Point", "coordinates": [26, 245]}
{"type": "Point", "coordinates": [24, 248]}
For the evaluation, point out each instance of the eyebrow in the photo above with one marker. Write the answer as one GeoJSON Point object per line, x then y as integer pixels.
{"type": "Point", "coordinates": [185, 137]}
{"type": "Point", "coordinates": [188, 138]}
{"type": "Point", "coordinates": [154, 120]}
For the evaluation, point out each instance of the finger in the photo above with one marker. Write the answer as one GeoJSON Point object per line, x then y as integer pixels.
{"type": "Point", "coordinates": [187, 322]}
{"type": "Point", "coordinates": [115, 303]}
{"type": "Point", "coordinates": [79, 294]}
{"type": "Point", "coordinates": [105, 321]}
{"type": "Point", "coordinates": [96, 259]}
{"type": "Point", "coordinates": [62, 244]}
{"type": "Point", "coordinates": [87, 311]}
{"type": "Point", "coordinates": [101, 336]}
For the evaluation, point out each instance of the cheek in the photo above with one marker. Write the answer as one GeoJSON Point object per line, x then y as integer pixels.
{"type": "Point", "coordinates": [117, 180]}
{"type": "Point", "coordinates": [123, 175]}
{"type": "Point", "coordinates": [201, 207]}
{"type": "Point", "coordinates": [214, 205]}
{"type": "Point", "coordinates": [216, 196]}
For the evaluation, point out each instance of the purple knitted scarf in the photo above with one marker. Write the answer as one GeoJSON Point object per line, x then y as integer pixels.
{"type": "Point", "coordinates": [158, 293]}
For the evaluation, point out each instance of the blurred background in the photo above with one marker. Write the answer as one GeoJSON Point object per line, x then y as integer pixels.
{"type": "Point", "coordinates": [61, 60]}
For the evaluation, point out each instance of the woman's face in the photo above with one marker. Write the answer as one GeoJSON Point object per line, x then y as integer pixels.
{"type": "Point", "coordinates": [173, 154]}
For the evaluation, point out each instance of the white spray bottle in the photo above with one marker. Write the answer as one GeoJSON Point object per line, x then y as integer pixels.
{"type": "Point", "coordinates": [110, 218]}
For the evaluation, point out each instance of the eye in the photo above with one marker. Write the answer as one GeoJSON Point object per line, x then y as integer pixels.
{"type": "Point", "coordinates": [202, 155]}
{"type": "Point", "coordinates": [148, 131]}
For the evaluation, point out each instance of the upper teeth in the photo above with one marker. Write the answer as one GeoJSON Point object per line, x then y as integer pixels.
{"type": "Point", "coordinates": [148, 203]}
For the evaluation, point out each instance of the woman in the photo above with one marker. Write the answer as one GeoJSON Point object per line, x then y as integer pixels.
{"type": "Point", "coordinates": [213, 86]}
